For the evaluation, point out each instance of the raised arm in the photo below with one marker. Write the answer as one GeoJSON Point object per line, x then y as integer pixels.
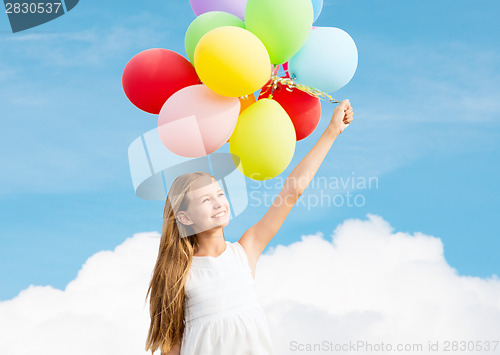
{"type": "Point", "coordinates": [256, 238]}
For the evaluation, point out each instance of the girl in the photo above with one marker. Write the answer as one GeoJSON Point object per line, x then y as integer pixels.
{"type": "Point", "coordinates": [203, 297]}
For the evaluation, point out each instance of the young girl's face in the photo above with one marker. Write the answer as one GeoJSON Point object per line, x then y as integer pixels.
{"type": "Point", "coordinates": [207, 208]}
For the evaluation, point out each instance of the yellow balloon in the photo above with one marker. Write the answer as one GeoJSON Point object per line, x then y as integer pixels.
{"type": "Point", "coordinates": [245, 103]}
{"type": "Point", "coordinates": [232, 61]}
{"type": "Point", "coordinates": [263, 141]}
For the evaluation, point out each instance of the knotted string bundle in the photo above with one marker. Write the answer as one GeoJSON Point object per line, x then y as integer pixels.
{"type": "Point", "coordinates": [289, 85]}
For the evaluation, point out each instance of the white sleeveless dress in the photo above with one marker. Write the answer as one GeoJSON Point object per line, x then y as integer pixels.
{"type": "Point", "coordinates": [222, 312]}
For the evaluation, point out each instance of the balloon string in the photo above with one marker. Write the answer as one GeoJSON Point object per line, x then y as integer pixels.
{"type": "Point", "coordinates": [275, 70]}
{"type": "Point", "coordinates": [290, 85]}
{"type": "Point", "coordinates": [274, 83]}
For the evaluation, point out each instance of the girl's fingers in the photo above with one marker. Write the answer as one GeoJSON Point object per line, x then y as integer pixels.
{"type": "Point", "coordinates": [348, 114]}
{"type": "Point", "coordinates": [348, 117]}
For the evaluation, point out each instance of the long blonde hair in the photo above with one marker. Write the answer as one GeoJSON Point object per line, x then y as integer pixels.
{"type": "Point", "coordinates": [177, 245]}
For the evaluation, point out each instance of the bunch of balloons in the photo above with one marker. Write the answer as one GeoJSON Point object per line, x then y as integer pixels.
{"type": "Point", "coordinates": [235, 48]}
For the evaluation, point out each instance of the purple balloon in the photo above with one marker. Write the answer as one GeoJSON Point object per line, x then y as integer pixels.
{"type": "Point", "coordinates": [235, 7]}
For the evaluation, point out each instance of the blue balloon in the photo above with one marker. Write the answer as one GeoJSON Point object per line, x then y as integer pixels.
{"type": "Point", "coordinates": [327, 61]}
{"type": "Point", "coordinates": [317, 7]}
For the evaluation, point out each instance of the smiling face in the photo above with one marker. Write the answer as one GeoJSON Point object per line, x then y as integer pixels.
{"type": "Point", "coordinates": [208, 207]}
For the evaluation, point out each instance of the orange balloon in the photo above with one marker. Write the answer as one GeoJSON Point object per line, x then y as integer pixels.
{"type": "Point", "coordinates": [246, 102]}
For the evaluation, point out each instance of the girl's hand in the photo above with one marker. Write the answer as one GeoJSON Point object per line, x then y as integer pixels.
{"type": "Point", "coordinates": [342, 115]}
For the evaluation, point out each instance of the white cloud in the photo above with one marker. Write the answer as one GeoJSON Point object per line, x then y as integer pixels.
{"type": "Point", "coordinates": [369, 283]}
{"type": "Point", "coordinates": [103, 311]}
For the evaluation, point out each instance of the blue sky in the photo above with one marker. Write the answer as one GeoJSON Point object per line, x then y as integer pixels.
{"type": "Point", "coordinates": [425, 95]}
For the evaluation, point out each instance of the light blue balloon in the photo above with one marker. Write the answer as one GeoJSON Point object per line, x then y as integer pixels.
{"type": "Point", "coordinates": [317, 7]}
{"type": "Point", "coordinates": [327, 61]}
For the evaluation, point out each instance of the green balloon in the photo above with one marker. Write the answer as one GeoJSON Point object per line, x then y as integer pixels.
{"type": "Point", "coordinates": [205, 23]}
{"type": "Point", "coordinates": [282, 25]}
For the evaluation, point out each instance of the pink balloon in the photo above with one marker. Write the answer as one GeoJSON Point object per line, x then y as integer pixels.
{"type": "Point", "coordinates": [285, 68]}
{"type": "Point", "coordinates": [195, 121]}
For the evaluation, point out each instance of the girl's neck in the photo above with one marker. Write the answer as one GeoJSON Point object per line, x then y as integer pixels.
{"type": "Point", "coordinates": [211, 245]}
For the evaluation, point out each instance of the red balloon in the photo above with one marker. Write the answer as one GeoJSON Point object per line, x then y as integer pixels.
{"type": "Point", "coordinates": [304, 110]}
{"type": "Point", "coordinates": [153, 75]}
